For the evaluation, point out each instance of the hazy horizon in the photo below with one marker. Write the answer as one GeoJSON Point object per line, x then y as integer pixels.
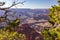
{"type": "Point", "coordinates": [35, 4]}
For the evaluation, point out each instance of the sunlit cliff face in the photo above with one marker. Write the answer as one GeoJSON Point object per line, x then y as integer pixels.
{"type": "Point", "coordinates": [21, 28]}
{"type": "Point", "coordinates": [37, 38]}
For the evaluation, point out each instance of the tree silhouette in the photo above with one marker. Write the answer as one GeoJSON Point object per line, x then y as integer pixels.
{"type": "Point", "coordinates": [6, 10]}
{"type": "Point", "coordinates": [8, 32]}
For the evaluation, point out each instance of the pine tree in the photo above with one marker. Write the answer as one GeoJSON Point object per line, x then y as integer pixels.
{"type": "Point", "coordinates": [54, 14]}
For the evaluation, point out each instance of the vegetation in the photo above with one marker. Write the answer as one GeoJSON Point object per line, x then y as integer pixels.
{"type": "Point", "coordinates": [9, 31]}
{"type": "Point", "coordinates": [54, 15]}
{"type": "Point", "coordinates": [49, 34]}
{"type": "Point", "coordinates": [7, 35]}
{"type": "Point", "coordinates": [53, 33]}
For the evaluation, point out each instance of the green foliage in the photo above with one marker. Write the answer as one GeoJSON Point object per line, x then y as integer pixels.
{"type": "Point", "coordinates": [9, 32]}
{"type": "Point", "coordinates": [53, 33]}
{"type": "Point", "coordinates": [53, 15]}
{"type": "Point", "coordinates": [49, 34]}
{"type": "Point", "coordinates": [14, 23]}
{"type": "Point", "coordinates": [7, 35]}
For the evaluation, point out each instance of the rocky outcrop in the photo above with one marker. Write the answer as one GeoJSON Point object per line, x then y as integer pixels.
{"type": "Point", "coordinates": [30, 33]}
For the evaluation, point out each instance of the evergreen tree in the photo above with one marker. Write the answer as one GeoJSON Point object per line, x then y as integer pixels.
{"type": "Point", "coordinates": [54, 15]}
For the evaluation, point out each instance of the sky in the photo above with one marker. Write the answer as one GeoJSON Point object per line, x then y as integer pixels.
{"type": "Point", "coordinates": [32, 3]}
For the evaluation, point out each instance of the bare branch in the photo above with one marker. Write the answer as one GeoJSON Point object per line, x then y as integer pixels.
{"type": "Point", "coordinates": [13, 4]}
{"type": "Point", "coordinates": [2, 3]}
